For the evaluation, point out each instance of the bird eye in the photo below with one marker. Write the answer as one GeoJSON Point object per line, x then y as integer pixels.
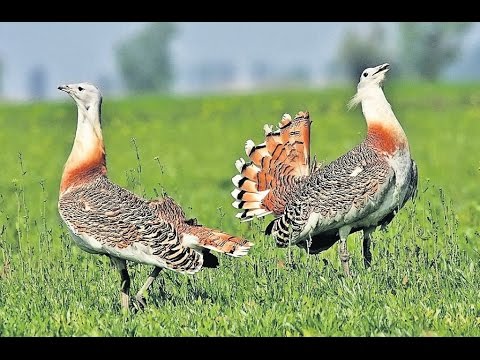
{"type": "Point", "coordinates": [80, 88]}
{"type": "Point", "coordinates": [365, 74]}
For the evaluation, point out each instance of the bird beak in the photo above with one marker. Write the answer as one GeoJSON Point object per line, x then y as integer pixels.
{"type": "Point", "coordinates": [65, 88]}
{"type": "Point", "coordinates": [385, 67]}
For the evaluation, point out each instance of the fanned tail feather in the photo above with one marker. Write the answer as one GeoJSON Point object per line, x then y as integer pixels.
{"type": "Point", "coordinates": [264, 182]}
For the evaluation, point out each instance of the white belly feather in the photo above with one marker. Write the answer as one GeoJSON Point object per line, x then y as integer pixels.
{"type": "Point", "coordinates": [136, 252]}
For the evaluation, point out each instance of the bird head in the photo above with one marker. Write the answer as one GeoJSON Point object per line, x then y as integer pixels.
{"type": "Point", "coordinates": [374, 75]}
{"type": "Point", "coordinates": [84, 94]}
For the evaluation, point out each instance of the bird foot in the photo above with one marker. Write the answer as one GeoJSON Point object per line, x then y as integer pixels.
{"type": "Point", "coordinates": [140, 303]}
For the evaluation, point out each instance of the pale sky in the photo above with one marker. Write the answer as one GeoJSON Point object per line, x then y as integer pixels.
{"type": "Point", "coordinates": [84, 51]}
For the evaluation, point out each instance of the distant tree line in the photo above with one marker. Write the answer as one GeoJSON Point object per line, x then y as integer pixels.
{"type": "Point", "coordinates": [421, 49]}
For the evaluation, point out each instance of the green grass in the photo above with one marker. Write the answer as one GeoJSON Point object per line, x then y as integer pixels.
{"type": "Point", "coordinates": [425, 275]}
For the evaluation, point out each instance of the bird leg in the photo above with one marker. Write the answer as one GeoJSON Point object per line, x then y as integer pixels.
{"type": "Point", "coordinates": [367, 255]}
{"type": "Point", "coordinates": [342, 249]}
{"type": "Point", "coordinates": [139, 297]}
{"type": "Point", "coordinates": [309, 243]}
{"type": "Point", "coordinates": [125, 281]}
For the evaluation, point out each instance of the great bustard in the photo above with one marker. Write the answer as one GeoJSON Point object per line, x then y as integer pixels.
{"type": "Point", "coordinates": [105, 218]}
{"type": "Point", "coordinates": [315, 206]}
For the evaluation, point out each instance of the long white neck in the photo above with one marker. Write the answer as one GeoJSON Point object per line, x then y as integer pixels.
{"type": "Point", "coordinates": [87, 157]}
{"type": "Point", "coordinates": [375, 106]}
{"type": "Point", "coordinates": [89, 132]}
{"type": "Point", "coordinates": [384, 132]}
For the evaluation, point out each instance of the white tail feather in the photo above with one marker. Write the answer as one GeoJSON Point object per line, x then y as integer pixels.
{"type": "Point", "coordinates": [240, 194]}
{"type": "Point", "coordinates": [268, 129]}
{"type": "Point", "coordinates": [249, 145]}
{"type": "Point", "coordinates": [235, 193]}
{"type": "Point", "coordinates": [240, 251]}
{"type": "Point", "coordinates": [191, 241]}
{"type": "Point", "coordinates": [236, 180]}
{"type": "Point", "coordinates": [239, 164]}
{"type": "Point", "coordinates": [250, 214]}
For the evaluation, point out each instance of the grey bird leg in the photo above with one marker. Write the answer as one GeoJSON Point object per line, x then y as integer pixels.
{"type": "Point", "coordinates": [342, 249]}
{"type": "Point", "coordinates": [139, 297]}
{"type": "Point", "coordinates": [125, 281]}
{"type": "Point", "coordinates": [367, 255]}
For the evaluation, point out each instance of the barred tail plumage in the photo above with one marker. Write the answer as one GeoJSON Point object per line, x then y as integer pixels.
{"type": "Point", "coordinates": [274, 167]}
{"type": "Point", "coordinates": [198, 237]}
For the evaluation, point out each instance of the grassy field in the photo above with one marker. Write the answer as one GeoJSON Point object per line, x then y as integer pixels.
{"type": "Point", "coordinates": [425, 275]}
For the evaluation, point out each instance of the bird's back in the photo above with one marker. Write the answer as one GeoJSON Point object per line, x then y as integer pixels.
{"type": "Point", "coordinates": [108, 219]}
{"type": "Point", "coordinates": [345, 191]}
